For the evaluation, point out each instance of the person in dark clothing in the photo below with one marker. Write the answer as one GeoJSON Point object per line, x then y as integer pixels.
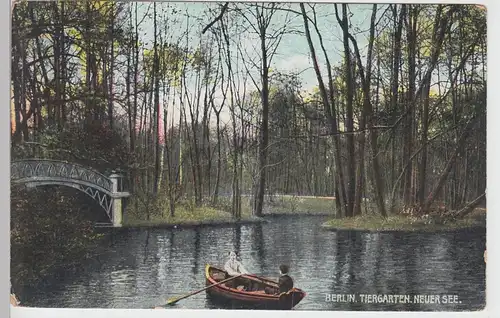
{"type": "Point", "coordinates": [285, 281]}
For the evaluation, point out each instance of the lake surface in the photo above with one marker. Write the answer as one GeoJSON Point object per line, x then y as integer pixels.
{"type": "Point", "coordinates": [143, 268]}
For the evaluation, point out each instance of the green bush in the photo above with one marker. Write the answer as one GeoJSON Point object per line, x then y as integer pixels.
{"type": "Point", "coordinates": [43, 236]}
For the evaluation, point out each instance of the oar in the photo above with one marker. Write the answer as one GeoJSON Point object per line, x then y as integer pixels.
{"type": "Point", "coordinates": [175, 300]}
{"type": "Point", "coordinates": [257, 278]}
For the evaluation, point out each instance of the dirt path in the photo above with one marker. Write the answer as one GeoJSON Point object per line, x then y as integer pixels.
{"type": "Point", "coordinates": [303, 196]}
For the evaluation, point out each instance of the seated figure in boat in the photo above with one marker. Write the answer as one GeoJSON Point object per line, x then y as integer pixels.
{"type": "Point", "coordinates": [285, 282]}
{"type": "Point", "coordinates": [234, 268]}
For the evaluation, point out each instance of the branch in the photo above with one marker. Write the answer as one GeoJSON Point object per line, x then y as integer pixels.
{"type": "Point", "coordinates": [78, 157]}
{"type": "Point", "coordinates": [340, 133]}
{"type": "Point", "coordinates": [410, 160]}
{"type": "Point", "coordinates": [462, 64]}
{"type": "Point", "coordinates": [223, 10]}
{"type": "Point", "coordinates": [470, 206]}
{"type": "Point", "coordinates": [442, 98]}
{"type": "Point", "coordinates": [257, 86]}
{"type": "Point", "coordinates": [64, 150]}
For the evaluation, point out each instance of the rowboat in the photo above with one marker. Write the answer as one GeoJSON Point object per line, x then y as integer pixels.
{"type": "Point", "coordinates": [248, 292]}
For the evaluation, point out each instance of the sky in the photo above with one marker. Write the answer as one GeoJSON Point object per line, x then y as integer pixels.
{"type": "Point", "coordinates": [292, 54]}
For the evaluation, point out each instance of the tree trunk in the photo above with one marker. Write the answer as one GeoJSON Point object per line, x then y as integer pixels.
{"type": "Point", "coordinates": [219, 160]}
{"type": "Point", "coordinates": [111, 66]}
{"type": "Point", "coordinates": [264, 134]}
{"type": "Point", "coordinates": [362, 124]}
{"type": "Point", "coordinates": [156, 117]}
{"type": "Point", "coordinates": [470, 206]}
{"type": "Point", "coordinates": [327, 99]}
{"type": "Point", "coordinates": [449, 165]}
{"type": "Point", "coordinates": [395, 81]}
{"type": "Point", "coordinates": [425, 128]}
{"type": "Point", "coordinates": [408, 127]}
{"type": "Point", "coordinates": [351, 159]}
{"type": "Point", "coordinates": [368, 108]}
{"type": "Point", "coordinates": [57, 66]}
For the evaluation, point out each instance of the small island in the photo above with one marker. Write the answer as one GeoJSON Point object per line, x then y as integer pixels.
{"type": "Point", "coordinates": [407, 223]}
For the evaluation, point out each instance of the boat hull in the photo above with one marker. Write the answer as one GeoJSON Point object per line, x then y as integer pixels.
{"type": "Point", "coordinates": [231, 298]}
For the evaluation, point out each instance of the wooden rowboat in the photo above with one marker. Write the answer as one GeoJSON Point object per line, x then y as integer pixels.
{"type": "Point", "coordinates": [249, 292]}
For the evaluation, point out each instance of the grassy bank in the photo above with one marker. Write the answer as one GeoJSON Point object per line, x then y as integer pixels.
{"type": "Point", "coordinates": [376, 223]}
{"type": "Point", "coordinates": [291, 205]}
{"type": "Point", "coordinates": [288, 204]}
{"type": "Point", "coordinates": [186, 216]}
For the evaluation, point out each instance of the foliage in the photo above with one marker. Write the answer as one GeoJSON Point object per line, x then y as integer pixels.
{"type": "Point", "coordinates": [51, 226]}
{"type": "Point", "coordinates": [373, 222]}
{"type": "Point", "coordinates": [44, 236]}
{"type": "Point", "coordinates": [92, 145]}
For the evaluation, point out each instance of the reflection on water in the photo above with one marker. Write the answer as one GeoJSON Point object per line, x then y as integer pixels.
{"type": "Point", "coordinates": [143, 268]}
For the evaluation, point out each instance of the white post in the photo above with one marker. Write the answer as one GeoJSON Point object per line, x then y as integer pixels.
{"type": "Point", "coordinates": [117, 202]}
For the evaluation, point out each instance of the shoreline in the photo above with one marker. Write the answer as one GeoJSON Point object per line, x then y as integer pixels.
{"type": "Point", "coordinates": [404, 224]}
{"type": "Point", "coordinates": [309, 206]}
{"type": "Point", "coordinates": [286, 206]}
{"type": "Point", "coordinates": [296, 214]}
{"type": "Point", "coordinates": [416, 230]}
{"type": "Point", "coordinates": [190, 224]}
{"type": "Point", "coordinates": [165, 224]}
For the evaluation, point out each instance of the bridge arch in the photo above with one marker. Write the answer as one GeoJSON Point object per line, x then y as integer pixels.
{"type": "Point", "coordinates": [103, 189]}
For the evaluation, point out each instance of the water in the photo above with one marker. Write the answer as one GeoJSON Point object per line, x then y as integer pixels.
{"type": "Point", "coordinates": [143, 268]}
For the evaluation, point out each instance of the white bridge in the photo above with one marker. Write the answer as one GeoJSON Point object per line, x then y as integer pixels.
{"type": "Point", "coordinates": [106, 190]}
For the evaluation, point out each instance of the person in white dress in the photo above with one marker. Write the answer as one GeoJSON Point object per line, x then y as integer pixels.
{"type": "Point", "coordinates": [233, 267]}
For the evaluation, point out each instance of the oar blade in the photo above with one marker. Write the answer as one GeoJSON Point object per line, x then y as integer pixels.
{"type": "Point", "coordinates": [172, 301]}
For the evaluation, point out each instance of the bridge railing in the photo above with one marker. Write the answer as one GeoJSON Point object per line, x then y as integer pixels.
{"type": "Point", "coordinates": [46, 168]}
